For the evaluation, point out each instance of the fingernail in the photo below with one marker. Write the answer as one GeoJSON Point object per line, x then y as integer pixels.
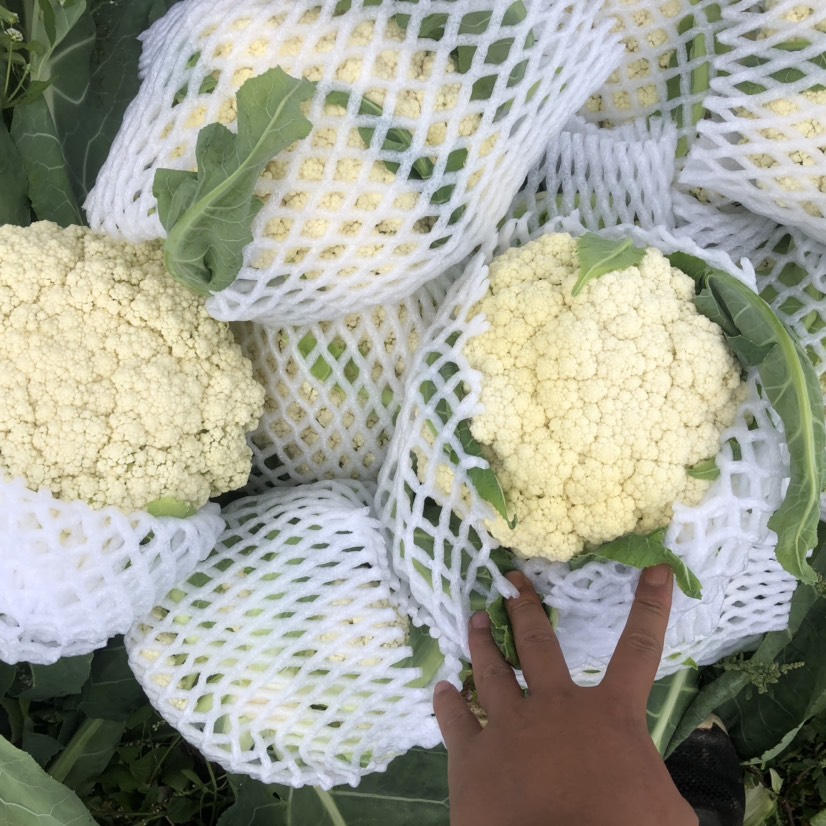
{"type": "Point", "coordinates": [657, 576]}
{"type": "Point", "coordinates": [442, 686]}
{"type": "Point", "coordinates": [480, 620]}
{"type": "Point", "coordinates": [517, 578]}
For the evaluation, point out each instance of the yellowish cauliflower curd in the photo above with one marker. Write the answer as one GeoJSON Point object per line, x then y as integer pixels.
{"type": "Point", "coordinates": [648, 31]}
{"type": "Point", "coordinates": [594, 406]}
{"type": "Point", "coordinates": [797, 125]}
{"type": "Point", "coordinates": [322, 229]}
{"type": "Point", "coordinates": [306, 412]}
{"type": "Point", "coordinates": [118, 388]}
{"type": "Point", "coordinates": [797, 14]}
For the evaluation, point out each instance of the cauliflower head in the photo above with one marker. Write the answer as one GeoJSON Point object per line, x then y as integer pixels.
{"type": "Point", "coordinates": [306, 187]}
{"type": "Point", "coordinates": [594, 407]}
{"type": "Point", "coordinates": [119, 388]}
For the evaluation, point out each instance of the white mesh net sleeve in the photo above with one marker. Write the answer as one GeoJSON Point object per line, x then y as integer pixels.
{"type": "Point", "coordinates": [713, 222]}
{"type": "Point", "coordinates": [283, 656]}
{"type": "Point", "coordinates": [343, 227]}
{"type": "Point", "coordinates": [333, 389]}
{"type": "Point", "coordinates": [764, 144]}
{"type": "Point", "coordinates": [607, 176]}
{"type": "Point", "coordinates": [665, 66]}
{"type": "Point", "coordinates": [724, 540]}
{"type": "Point", "coordinates": [72, 576]}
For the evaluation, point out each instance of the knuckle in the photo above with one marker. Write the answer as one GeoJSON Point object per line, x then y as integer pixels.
{"type": "Point", "coordinates": [451, 719]}
{"type": "Point", "coordinates": [643, 642]}
{"type": "Point", "coordinates": [652, 605]}
{"type": "Point", "coordinates": [535, 637]}
{"type": "Point", "coordinates": [522, 605]}
{"type": "Point", "coordinates": [495, 671]}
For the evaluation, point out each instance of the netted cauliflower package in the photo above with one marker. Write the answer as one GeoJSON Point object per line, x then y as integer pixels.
{"type": "Point", "coordinates": [72, 576]}
{"type": "Point", "coordinates": [424, 125]}
{"type": "Point", "coordinates": [447, 517]}
{"type": "Point", "coordinates": [285, 657]}
{"type": "Point", "coordinates": [333, 389]}
{"type": "Point", "coordinates": [764, 142]}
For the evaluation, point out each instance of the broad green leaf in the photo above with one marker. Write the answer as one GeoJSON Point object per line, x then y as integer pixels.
{"type": "Point", "coordinates": [50, 23]}
{"type": "Point", "coordinates": [598, 256]}
{"type": "Point", "coordinates": [30, 797]}
{"type": "Point", "coordinates": [111, 692]}
{"type": "Point", "coordinates": [42, 747]}
{"type": "Point", "coordinates": [706, 470]}
{"type": "Point", "coordinates": [50, 190]}
{"type": "Point", "coordinates": [667, 702]}
{"type": "Point", "coordinates": [60, 679]}
{"type": "Point", "coordinates": [255, 805]}
{"type": "Point", "coordinates": [89, 99]}
{"type": "Point", "coordinates": [412, 790]}
{"type": "Point", "coordinates": [644, 551]}
{"type": "Point", "coordinates": [208, 214]}
{"type": "Point", "coordinates": [760, 340]}
{"type": "Point", "coordinates": [762, 723]}
{"type": "Point", "coordinates": [87, 754]}
{"type": "Point", "coordinates": [14, 186]}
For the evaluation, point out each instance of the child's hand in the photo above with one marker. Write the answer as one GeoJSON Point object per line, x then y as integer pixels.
{"type": "Point", "coordinates": [564, 755]}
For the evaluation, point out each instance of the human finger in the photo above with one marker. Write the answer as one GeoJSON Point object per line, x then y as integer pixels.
{"type": "Point", "coordinates": [494, 679]}
{"type": "Point", "coordinates": [633, 667]}
{"type": "Point", "coordinates": [456, 721]}
{"type": "Point", "coordinates": [540, 654]}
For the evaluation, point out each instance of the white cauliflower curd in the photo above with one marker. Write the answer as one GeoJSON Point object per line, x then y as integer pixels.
{"type": "Point", "coordinates": [594, 406]}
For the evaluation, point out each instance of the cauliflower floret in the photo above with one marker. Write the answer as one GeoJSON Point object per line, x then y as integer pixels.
{"type": "Point", "coordinates": [120, 389]}
{"type": "Point", "coordinates": [594, 406]}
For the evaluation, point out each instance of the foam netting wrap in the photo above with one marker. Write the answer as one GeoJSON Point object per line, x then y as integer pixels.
{"type": "Point", "coordinates": [72, 576]}
{"type": "Point", "coordinates": [333, 389]}
{"type": "Point", "coordinates": [724, 540]}
{"type": "Point", "coordinates": [282, 657]}
{"type": "Point", "coordinates": [662, 72]}
{"type": "Point", "coordinates": [606, 176]}
{"type": "Point", "coordinates": [339, 231]}
{"type": "Point", "coordinates": [764, 142]}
